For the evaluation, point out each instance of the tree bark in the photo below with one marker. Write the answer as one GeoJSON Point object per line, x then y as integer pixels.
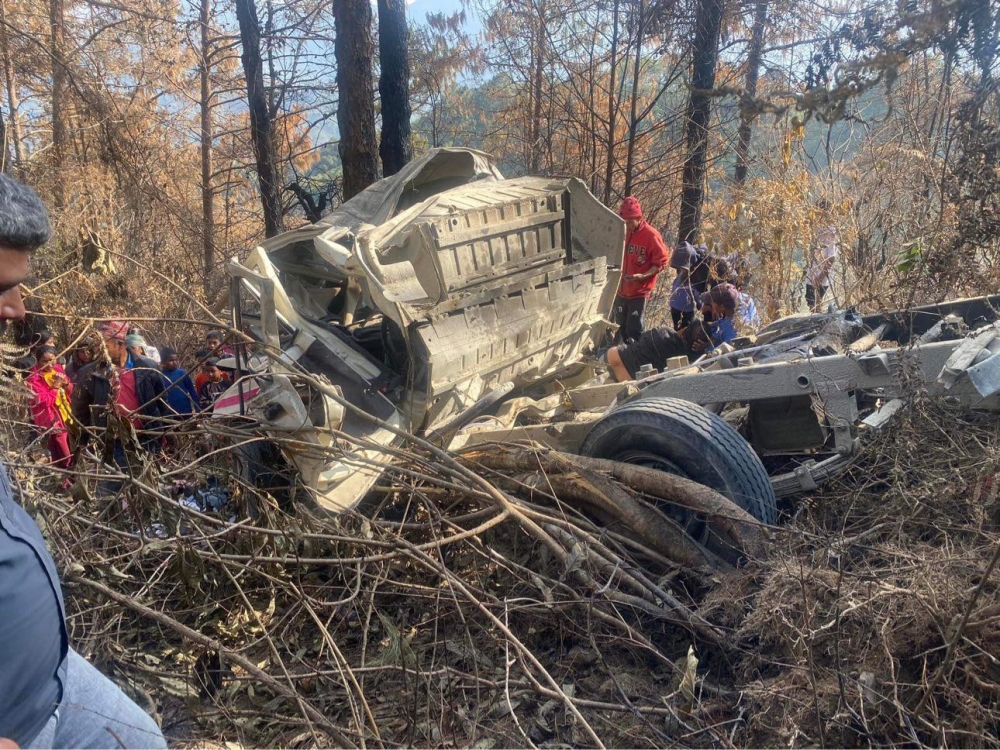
{"type": "Point", "coordinates": [5, 157]}
{"type": "Point", "coordinates": [708, 23]}
{"type": "Point", "coordinates": [612, 108]}
{"type": "Point", "coordinates": [591, 106]}
{"type": "Point", "coordinates": [396, 147]}
{"type": "Point", "coordinates": [57, 43]}
{"type": "Point", "coordinates": [753, 72]}
{"type": "Point", "coordinates": [355, 106]}
{"type": "Point", "coordinates": [633, 124]}
{"type": "Point", "coordinates": [737, 533]}
{"type": "Point", "coordinates": [261, 125]}
{"type": "Point", "coordinates": [12, 132]}
{"type": "Point", "coordinates": [537, 74]}
{"type": "Point", "coordinates": [207, 192]}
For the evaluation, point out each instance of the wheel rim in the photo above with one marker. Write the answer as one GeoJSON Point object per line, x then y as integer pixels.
{"type": "Point", "coordinates": [693, 526]}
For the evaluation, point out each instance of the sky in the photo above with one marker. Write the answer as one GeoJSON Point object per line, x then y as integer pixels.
{"type": "Point", "coordinates": [418, 9]}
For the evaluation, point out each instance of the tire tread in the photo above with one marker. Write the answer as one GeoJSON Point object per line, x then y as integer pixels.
{"type": "Point", "coordinates": [751, 482]}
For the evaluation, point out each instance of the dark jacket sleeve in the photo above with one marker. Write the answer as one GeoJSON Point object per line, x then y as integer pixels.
{"type": "Point", "coordinates": [151, 393]}
{"type": "Point", "coordinates": [204, 400]}
{"type": "Point", "coordinates": [159, 388]}
{"type": "Point", "coordinates": [83, 396]}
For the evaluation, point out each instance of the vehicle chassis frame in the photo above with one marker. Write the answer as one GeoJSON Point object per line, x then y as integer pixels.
{"type": "Point", "coordinates": [833, 382]}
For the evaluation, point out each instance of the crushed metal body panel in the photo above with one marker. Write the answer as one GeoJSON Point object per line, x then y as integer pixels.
{"type": "Point", "coordinates": [453, 304]}
{"type": "Point", "coordinates": [417, 300]}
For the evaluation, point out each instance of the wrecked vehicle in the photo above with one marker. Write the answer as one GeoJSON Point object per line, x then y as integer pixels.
{"type": "Point", "coordinates": [795, 401]}
{"type": "Point", "coordinates": [423, 300]}
{"type": "Point", "coordinates": [453, 304]}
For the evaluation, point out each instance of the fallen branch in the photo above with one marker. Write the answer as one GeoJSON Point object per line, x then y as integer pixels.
{"type": "Point", "coordinates": [210, 643]}
{"type": "Point", "coordinates": [737, 529]}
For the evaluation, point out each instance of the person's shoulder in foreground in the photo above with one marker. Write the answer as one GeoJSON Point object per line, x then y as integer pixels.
{"type": "Point", "coordinates": [49, 695]}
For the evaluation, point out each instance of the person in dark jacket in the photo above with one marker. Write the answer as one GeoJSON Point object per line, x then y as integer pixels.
{"type": "Point", "coordinates": [215, 385]}
{"type": "Point", "coordinates": [656, 346]}
{"type": "Point", "coordinates": [130, 385]}
{"type": "Point", "coordinates": [215, 343]}
{"type": "Point", "coordinates": [83, 355]}
{"type": "Point", "coordinates": [49, 695]}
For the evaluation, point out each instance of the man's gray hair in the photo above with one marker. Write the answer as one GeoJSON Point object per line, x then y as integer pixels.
{"type": "Point", "coordinates": [24, 223]}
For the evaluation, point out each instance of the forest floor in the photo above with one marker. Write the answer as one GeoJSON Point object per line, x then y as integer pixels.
{"type": "Point", "coordinates": [447, 615]}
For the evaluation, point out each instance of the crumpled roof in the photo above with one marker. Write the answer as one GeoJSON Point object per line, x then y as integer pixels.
{"type": "Point", "coordinates": [380, 202]}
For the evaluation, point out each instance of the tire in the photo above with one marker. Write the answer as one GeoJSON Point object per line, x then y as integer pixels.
{"type": "Point", "coordinates": [682, 438]}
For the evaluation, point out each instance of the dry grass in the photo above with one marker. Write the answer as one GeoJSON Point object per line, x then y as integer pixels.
{"type": "Point", "coordinates": [855, 635]}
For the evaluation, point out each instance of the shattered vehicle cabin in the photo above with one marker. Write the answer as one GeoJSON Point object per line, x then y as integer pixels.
{"type": "Point", "coordinates": [462, 307]}
{"type": "Point", "coordinates": [421, 300]}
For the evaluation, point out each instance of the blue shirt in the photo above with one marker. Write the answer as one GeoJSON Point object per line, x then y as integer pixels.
{"type": "Point", "coordinates": [33, 638]}
{"type": "Point", "coordinates": [181, 396]}
{"type": "Point", "coordinates": [721, 331]}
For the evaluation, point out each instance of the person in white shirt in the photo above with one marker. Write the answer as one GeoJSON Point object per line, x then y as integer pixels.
{"type": "Point", "coordinates": [822, 257]}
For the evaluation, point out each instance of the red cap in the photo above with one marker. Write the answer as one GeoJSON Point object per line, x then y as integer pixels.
{"type": "Point", "coordinates": [113, 329]}
{"type": "Point", "coordinates": [722, 294]}
{"type": "Point", "coordinates": [631, 209]}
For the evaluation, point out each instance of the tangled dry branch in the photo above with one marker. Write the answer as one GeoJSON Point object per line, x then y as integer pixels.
{"type": "Point", "coordinates": [514, 595]}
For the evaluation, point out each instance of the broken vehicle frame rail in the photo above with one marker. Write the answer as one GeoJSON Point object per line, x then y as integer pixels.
{"type": "Point", "coordinates": [962, 371]}
{"type": "Point", "coordinates": [834, 382]}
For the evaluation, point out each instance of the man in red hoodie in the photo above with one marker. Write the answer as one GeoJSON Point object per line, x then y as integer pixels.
{"type": "Point", "coordinates": [645, 257]}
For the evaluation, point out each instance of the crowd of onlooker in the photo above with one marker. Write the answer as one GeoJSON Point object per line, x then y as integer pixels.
{"type": "Point", "coordinates": [117, 378]}
{"type": "Point", "coordinates": [51, 696]}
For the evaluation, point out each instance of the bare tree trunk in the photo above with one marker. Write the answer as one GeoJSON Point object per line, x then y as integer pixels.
{"type": "Point", "coordinates": [538, 71]}
{"type": "Point", "coordinates": [591, 106]}
{"type": "Point", "coordinates": [396, 148]}
{"type": "Point", "coordinates": [753, 72]}
{"type": "Point", "coordinates": [355, 107]}
{"type": "Point", "coordinates": [612, 108]}
{"type": "Point", "coordinates": [708, 23]}
{"type": "Point", "coordinates": [434, 125]}
{"type": "Point", "coordinates": [12, 133]}
{"type": "Point", "coordinates": [261, 126]}
{"type": "Point", "coordinates": [985, 42]}
{"type": "Point", "coordinates": [57, 43]}
{"type": "Point", "coordinates": [312, 205]}
{"type": "Point", "coordinates": [5, 157]}
{"type": "Point", "coordinates": [633, 124]}
{"type": "Point", "coordinates": [207, 192]}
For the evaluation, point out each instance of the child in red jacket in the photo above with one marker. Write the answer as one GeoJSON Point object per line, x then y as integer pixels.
{"type": "Point", "coordinates": [50, 405]}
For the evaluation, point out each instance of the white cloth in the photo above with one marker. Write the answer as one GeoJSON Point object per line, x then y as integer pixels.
{"type": "Point", "coordinates": [825, 248]}
{"type": "Point", "coordinates": [746, 311]}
